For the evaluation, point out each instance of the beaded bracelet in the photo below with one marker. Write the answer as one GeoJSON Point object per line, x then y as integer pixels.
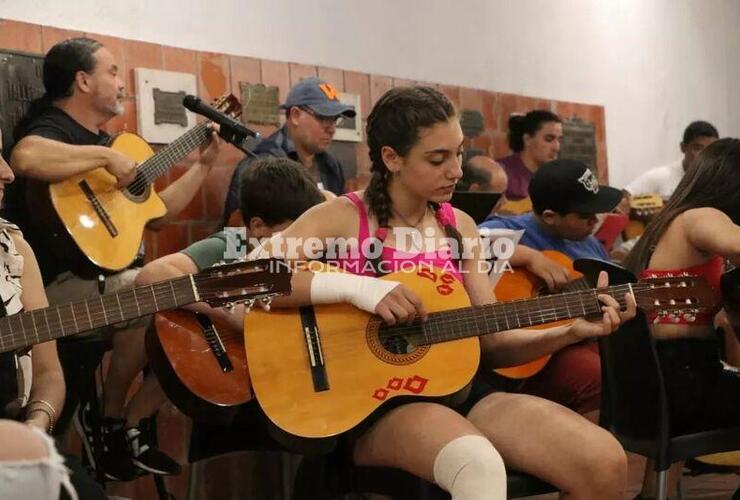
{"type": "Point", "coordinates": [45, 408]}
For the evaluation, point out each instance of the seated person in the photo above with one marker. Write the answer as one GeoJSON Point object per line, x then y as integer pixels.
{"type": "Point", "coordinates": [482, 174]}
{"type": "Point", "coordinates": [274, 192]}
{"type": "Point", "coordinates": [566, 199]}
{"type": "Point", "coordinates": [697, 230]}
{"type": "Point", "coordinates": [535, 139]}
{"type": "Point", "coordinates": [663, 180]}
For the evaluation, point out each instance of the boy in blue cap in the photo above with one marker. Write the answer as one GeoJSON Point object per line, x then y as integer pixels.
{"type": "Point", "coordinates": [312, 112]}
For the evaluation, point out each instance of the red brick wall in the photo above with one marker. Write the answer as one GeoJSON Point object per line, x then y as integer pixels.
{"type": "Point", "coordinates": [218, 73]}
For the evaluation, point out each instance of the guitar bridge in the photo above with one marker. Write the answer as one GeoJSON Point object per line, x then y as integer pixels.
{"type": "Point", "coordinates": [107, 222]}
{"type": "Point", "coordinates": [315, 352]}
{"type": "Point", "coordinates": [215, 343]}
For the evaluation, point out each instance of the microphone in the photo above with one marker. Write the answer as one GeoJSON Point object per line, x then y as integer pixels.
{"type": "Point", "coordinates": [231, 130]}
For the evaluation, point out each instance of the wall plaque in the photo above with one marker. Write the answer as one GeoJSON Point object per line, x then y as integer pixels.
{"type": "Point", "coordinates": [472, 123]}
{"type": "Point", "coordinates": [20, 83]}
{"type": "Point", "coordinates": [160, 115]}
{"type": "Point", "coordinates": [350, 129]}
{"type": "Point", "coordinates": [260, 104]}
{"type": "Point", "coordinates": [579, 142]}
{"type": "Point", "coordinates": [168, 107]}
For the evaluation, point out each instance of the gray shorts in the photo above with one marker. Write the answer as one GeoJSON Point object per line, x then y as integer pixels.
{"type": "Point", "coordinates": [70, 288]}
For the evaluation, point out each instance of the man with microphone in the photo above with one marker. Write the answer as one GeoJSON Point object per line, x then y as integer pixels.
{"type": "Point", "coordinates": [60, 137]}
{"type": "Point", "coordinates": [312, 112]}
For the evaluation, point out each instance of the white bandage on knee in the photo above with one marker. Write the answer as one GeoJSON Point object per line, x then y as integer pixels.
{"type": "Point", "coordinates": [363, 292]}
{"type": "Point", "coordinates": [470, 468]}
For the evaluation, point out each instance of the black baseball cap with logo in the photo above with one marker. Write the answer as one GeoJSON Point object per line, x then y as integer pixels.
{"type": "Point", "coordinates": [566, 186]}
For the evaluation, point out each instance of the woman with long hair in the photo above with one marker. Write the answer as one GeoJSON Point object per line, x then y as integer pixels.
{"type": "Point", "coordinates": [415, 145]}
{"type": "Point", "coordinates": [696, 231]}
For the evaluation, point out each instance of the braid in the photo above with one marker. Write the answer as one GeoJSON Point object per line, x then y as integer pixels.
{"type": "Point", "coordinates": [379, 204]}
{"type": "Point", "coordinates": [394, 122]}
{"type": "Point", "coordinates": [450, 231]}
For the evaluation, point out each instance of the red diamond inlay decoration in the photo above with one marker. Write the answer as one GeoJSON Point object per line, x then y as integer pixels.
{"type": "Point", "coordinates": [395, 383]}
{"type": "Point", "coordinates": [416, 384]}
{"type": "Point", "coordinates": [380, 394]}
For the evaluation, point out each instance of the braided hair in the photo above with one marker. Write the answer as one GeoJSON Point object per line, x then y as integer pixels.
{"type": "Point", "coordinates": [395, 121]}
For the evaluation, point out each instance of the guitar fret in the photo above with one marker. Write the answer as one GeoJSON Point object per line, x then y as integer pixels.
{"type": "Point", "coordinates": [46, 320]}
{"type": "Point", "coordinates": [154, 296]}
{"type": "Point", "coordinates": [74, 317]}
{"type": "Point", "coordinates": [102, 305]}
{"type": "Point", "coordinates": [61, 323]}
{"type": "Point", "coordinates": [89, 316]}
{"type": "Point", "coordinates": [174, 295]}
{"type": "Point", "coordinates": [136, 300]}
{"type": "Point", "coordinates": [120, 308]}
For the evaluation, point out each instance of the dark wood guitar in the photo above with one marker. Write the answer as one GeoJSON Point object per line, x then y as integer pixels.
{"type": "Point", "coordinates": [217, 286]}
{"type": "Point", "coordinates": [200, 364]}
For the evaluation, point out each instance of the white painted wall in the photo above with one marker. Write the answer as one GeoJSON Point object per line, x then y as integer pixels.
{"type": "Point", "coordinates": [654, 64]}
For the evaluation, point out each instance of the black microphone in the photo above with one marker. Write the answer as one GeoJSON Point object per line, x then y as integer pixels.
{"type": "Point", "coordinates": [231, 130]}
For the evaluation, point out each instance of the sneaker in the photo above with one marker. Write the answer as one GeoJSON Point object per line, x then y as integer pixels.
{"type": "Point", "coordinates": [146, 456]}
{"type": "Point", "coordinates": [116, 460]}
{"type": "Point", "coordinates": [82, 422]}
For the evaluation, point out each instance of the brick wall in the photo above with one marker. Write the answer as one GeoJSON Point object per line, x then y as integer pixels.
{"type": "Point", "coordinates": [218, 73]}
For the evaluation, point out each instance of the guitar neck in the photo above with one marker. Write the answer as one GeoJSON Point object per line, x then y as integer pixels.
{"type": "Point", "coordinates": [175, 151]}
{"type": "Point", "coordinates": [41, 325]}
{"type": "Point", "coordinates": [481, 320]}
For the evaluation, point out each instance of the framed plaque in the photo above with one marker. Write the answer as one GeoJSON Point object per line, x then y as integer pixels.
{"type": "Point", "coordinates": [20, 83]}
{"type": "Point", "coordinates": [160, 116]}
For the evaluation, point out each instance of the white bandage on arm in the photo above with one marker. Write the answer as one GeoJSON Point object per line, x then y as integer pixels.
{"type": "Point", "coordinates": [470, 468]}
{"type": "Point", "coordinates": [363, 292]}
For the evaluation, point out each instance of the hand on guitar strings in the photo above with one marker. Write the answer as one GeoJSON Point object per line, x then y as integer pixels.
{"type": "Point", "coordinates": [401, 305]}
{"type": "Point", "coordinates": [121, 166]}
{"type": "Point", "coordinates": [209, 151]}
{"type": "Point", "coordinates": [552, 273]}
{"type": "Point", "coordinates": [612, 315]}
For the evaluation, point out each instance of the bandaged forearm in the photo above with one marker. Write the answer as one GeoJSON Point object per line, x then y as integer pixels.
{"type": "Point", "coordinates": [363, 292]}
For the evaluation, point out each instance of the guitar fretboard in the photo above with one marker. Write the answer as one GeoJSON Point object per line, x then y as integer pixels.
{"type": "Point", "coordinates": [171, 154]}
{"type": "Point", "coordinates": [41, 325]}
{"type": "Point", "coordinates": [480, 320]}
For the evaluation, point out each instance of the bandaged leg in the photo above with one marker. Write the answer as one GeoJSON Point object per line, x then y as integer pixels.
{"type": "Point", "coordinates": [470, 468]}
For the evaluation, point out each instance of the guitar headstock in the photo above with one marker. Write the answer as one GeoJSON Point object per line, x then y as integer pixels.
{"type": "Point", "coordinates": [676, 297]}
{"type": "Point", "coordinates": [229, 284]}
{"type": "Point", "coordinates": [648, 204]}
{"type": "Point", "coordinates": [229, 105]}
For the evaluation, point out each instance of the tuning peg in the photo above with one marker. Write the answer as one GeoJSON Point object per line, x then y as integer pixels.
{"type": "Point", "coordinates": [248, 304]}
{"type": "Point", "coordinates": [265, 303]}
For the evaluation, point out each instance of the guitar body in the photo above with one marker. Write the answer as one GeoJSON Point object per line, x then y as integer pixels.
{"type": "Point", "coordinates": [361, 373]}
{"type": "Point", "coordinates": [110, 247]}
{"type": "Point", "coordinates": [521, 284]}
{"type": "Point", "coordinates": [188, 370]}
{"type": "Point", "coordinates": [516, 207]}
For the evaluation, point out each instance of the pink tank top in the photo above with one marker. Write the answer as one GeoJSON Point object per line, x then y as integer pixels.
{"type": "Point", "coordinates": [391, 258]}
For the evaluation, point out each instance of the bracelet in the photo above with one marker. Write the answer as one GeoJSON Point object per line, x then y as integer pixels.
{"type": "Point", "coordinates": [46, 408]}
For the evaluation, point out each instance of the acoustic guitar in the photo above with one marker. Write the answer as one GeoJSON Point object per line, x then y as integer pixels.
{"type": "Point", "coordinates": [319, 371]}
{"type": "Point", "coordinates": [522, 284]}
{"type": "Point", "coordinates": [96, 226]}
{"type": "Point", "coordinates": [642, 209]}
{"type": "Point", "coordinates": [200, 364]}
{"type": "Point", "coordinates": [217, 286]}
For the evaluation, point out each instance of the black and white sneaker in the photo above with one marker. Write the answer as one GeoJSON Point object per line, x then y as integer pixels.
{"type": "Point", "coordinates": [146, 456]}
{"type": "Point", "coordinates": [116, 460]}
{"type": "Point", "coordinates": [82, 421]}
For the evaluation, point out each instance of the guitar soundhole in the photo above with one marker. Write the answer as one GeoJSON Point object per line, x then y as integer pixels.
{"type": "Point", "coordinates": [393, 347]}
{"type": "Point", "coordinates": [138, 188]}
{"type": "Point", "coordinates": [397, 344]}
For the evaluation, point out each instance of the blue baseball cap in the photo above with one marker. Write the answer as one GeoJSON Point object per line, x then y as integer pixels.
{"type": "Point", "coordinates": [320, 96]}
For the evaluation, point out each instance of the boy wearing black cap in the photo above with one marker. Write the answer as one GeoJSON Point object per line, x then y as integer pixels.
{"type": "Point", "coordinates": [312, 112]}
{"type": "Point", "coordinates": [566, 197]}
